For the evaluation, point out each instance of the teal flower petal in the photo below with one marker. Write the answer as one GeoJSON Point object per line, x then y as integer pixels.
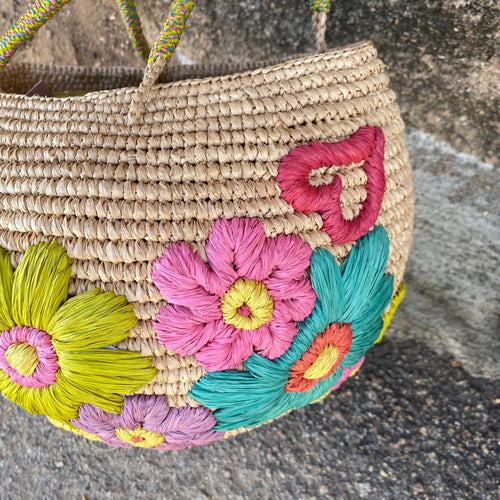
{"type": "Point", "coordinates": [363, 274]}
{"type": "Point", "coordinates": [327, 283]}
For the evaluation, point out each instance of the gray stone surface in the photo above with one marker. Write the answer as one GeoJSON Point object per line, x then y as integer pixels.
{"type": "Point", "coordinates": [418, 421]}
{"type": "Point", "coordinates": [453, 273]}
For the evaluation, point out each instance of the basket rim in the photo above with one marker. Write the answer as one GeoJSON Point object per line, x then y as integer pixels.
{"type": "Point", "coordinates": [256, 68]}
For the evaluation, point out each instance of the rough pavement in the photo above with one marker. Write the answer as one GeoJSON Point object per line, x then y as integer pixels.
{"type": "Point", "coordinates": [411, 424]}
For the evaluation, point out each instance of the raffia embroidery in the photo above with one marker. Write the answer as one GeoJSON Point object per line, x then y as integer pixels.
{"type": "Point", "coordinates": [347, 316]}
{"type": "Point", "coordinates": [149, 422]}
{"type": "Point", "coordinates": [53, 350]}
{"type": "Point", "coordinates": [250, 298]}
{"type": "Point", "coordinates": [365, 147]}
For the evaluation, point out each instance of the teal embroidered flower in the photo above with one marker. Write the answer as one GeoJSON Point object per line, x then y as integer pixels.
{"type": "Point", "coordinates": [344, 324]}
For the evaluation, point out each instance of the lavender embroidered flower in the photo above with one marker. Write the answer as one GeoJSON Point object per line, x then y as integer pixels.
{"type": "Point", "coordinates": [149, 422]}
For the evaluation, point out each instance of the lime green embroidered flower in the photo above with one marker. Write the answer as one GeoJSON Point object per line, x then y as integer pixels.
{"type": "Point", "coordinates": [55, 352]}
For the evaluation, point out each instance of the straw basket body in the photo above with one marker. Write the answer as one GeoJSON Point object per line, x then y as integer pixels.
{"type": "Point", "coordinates": [209, 146]}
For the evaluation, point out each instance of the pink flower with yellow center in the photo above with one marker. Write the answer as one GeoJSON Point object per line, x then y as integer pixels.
{"type": "Point", "coordinates": [248, 298]}
{"type": "Point", "coordinates": [345, 322]}
{"type": "Point", "coordinates": [28, 357]}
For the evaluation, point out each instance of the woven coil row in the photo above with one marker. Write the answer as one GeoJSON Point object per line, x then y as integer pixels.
{"type": "Point", "coordinates": [115, 195]}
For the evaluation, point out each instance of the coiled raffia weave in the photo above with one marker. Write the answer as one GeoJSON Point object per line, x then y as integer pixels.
{"type": "Point", "coordinates": [208, 146]}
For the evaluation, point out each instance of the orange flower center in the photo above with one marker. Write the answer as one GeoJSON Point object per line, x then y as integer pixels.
{"type": "Point", "coordinates": [321, 359]}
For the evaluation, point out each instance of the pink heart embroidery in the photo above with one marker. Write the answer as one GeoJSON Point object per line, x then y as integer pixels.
{"type": "Point", "coordinates": [367, 146]}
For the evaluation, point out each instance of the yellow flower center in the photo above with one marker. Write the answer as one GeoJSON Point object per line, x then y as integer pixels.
{"type": "Point", "coordinates": [353, 372]}
{"type": "Point", "coordinates": [23, 358]}
{"type": "Point", "coordinates": [323, 363]}
{"type": "Point", "coordinates": [140, 437]}
{"type": "Point", "coordinates": [246, 305]}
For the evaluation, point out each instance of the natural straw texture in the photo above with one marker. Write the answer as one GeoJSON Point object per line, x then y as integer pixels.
{"type": "Point", "coordinates": [115, 195]}
{"type": "Point", "coordinates": [160, 55]}
{"type": "Point", "coordinates": [320, 9]}
{"type": "Point", "coordinates": [319, 29]}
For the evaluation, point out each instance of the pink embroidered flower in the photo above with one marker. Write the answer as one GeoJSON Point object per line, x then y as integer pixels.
{"type": "Point", "coordinates": [366, 147]}
{"type": "Point", "coordinates": [250, 298]}
{"type": "Point", "coordinates": [348, 372]}
{"type": "Point", "coordinates": [149, 422]}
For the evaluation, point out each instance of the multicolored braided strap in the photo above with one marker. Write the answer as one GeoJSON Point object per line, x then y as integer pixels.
{"type": "Point", "coordinates": [321, 5]}
{"type": "Point", "coordinates": [133, 23]}
{"type": "Point", "coordinates": [43, 10]}
{"type": "Point", "coordinates": [27, 25]}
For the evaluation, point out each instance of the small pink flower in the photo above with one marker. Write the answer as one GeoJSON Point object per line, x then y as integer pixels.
{"type": "Point", "coordinates": [41, 370]}
{"type": "Point", "coordinates": [250, 298]}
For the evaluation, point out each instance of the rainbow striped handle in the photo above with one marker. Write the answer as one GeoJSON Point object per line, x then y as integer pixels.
{"type": "Point", "coordinates": [167, 42]}
{"type": "Point", "coordinates": [133, 23]}
{"type": "Point", "coordinates": [26, 26]}
{"type": "Point", "coordinates": [320, 5]}
{"type": "Point", "coordinates": [42, 10]}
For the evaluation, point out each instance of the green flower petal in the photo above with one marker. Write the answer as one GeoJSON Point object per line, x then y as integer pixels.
{"type": "Point", "coordinates": [40, 284]}
{"type": "Point", "coordinates": [92, 319]}
{"type": "Point", "coordinates": [72, 395]}
{"type": "Point", "coordinates": [6, 277]}
{"type": "Point", "coordinates": [99, 377]}
{"type": "Point", "coordinates": [101, 373]}
{"type": "Point", "coordinates": [82, 330]}
{"type": "Point", "coordinates": [36, 401]}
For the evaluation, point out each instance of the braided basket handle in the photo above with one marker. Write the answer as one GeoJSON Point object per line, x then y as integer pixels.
{"type": "Point", "coordinates": [160, 54]}
{"type": "Point", "coordinates": [42, 11]}
{"type": "Point", "coordinates": [166, 43]}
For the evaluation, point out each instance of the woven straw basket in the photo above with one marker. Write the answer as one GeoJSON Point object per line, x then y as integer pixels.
{"type": "Point", "coordinates": [154, 189]}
